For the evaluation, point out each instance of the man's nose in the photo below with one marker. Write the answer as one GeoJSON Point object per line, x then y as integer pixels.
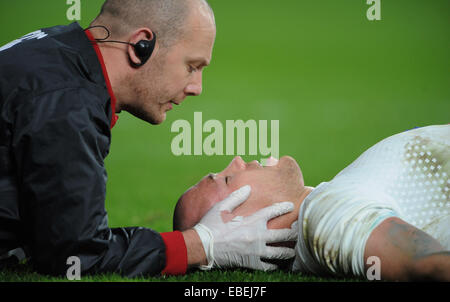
{"type": "Point", "coordinates": [237, 164]}
{"type": "Point", "coordinates": [195, 88]}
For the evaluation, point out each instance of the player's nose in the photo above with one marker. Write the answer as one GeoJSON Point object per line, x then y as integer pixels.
{"type": "Point", "coordinates": [237, 164]}
{"type": "Point", "coordinates": [195, 88]}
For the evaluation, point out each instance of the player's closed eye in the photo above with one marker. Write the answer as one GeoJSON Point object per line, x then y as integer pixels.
{"type": "Point", "coordinates": [191, 69]}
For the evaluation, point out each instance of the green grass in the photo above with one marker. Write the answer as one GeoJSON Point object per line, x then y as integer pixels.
{"type": "Point", "coordinates": [23, 273]}
{"type": "Point", "coordinates": [336, 82]}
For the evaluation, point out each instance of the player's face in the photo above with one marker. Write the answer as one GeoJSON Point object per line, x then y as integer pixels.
{"type": "Point", "coordinates": [175, 72]}
{"type": "Point", "coordinates": [280, 181]}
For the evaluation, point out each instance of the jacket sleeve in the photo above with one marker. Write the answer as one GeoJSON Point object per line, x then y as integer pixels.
{"type": "Point", "coordinates": [60, 142]}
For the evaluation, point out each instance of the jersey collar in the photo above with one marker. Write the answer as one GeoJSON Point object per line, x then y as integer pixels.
{"type": "Point", "coordinates": [114, 117]}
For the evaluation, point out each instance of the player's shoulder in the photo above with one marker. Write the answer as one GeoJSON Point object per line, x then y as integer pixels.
{"type": "Point", "coordinates": [422, 135]}
{"type": "Point", "coordinates": [430, 142]}
{"type": "Point", "coordinates": [444, 129]}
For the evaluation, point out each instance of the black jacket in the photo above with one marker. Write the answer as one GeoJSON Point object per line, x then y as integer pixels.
{"type": "Point", "coordinates": [55, 120]}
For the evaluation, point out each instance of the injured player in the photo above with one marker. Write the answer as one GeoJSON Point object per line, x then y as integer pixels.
{"type": "Point", "coordinates": [392, 202]}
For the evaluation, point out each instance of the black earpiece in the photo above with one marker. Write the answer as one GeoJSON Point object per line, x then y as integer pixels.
{"type": "Point", "coordinates": [143, 49]}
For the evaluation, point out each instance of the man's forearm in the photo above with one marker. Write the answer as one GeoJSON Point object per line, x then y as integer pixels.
{"type": "Point", "coordinates": [195, 251]}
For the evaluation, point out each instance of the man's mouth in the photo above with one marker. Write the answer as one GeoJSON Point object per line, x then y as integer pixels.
{"type": "Point", "coordinates": [171, 103]}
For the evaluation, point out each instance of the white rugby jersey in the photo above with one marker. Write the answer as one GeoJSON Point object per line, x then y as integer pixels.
{"type": "Point", "coordinates": [405, 175]}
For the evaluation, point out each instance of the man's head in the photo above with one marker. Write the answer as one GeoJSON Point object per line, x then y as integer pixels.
{"type": "Point", "coordinates": [278, 181]}
{"type": "Point", "coordinates": [185, 32]}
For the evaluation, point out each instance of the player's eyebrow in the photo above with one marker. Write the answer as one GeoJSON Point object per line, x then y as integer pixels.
{"type": "Point", "coordinates": [201, 61]}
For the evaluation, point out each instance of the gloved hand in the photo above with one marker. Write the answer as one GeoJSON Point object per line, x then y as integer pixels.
{"type": "Point", "coordinates": [242, 241]}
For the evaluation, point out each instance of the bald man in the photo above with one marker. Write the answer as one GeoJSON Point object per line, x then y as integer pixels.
{"type": "Point", "coordinates": [60, 91]}
{"type": "Point", "coordinates": [392, 202]}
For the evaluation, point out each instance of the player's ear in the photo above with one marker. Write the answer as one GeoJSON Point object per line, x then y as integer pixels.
{"type": "Point", "coordinates": [138, 35]}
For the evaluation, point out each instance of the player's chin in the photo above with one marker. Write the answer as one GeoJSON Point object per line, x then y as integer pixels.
{"type": "Point", "coordinates": [287, 160]}
{"type": "Point", "coordinates": [156, 119]}
{"type": "Point", "coordinates": [149, 115]}
{"type": "Point", "coordinates": [161, 119]}
{"type": "Point", "coordinates": [161, 116]}
{"type": "Point", "coordinates": [290, 165]}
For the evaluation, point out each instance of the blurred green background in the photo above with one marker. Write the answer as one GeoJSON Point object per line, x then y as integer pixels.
{"type": "Point", "coordinates": [336, 82]}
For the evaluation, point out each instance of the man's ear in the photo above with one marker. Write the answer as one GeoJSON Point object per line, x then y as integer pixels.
{"type": "Point", "coordinates": [138, 35]}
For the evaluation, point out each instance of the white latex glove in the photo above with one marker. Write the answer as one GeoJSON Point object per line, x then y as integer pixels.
{"type": "Point", "coordinates": [242, 241]}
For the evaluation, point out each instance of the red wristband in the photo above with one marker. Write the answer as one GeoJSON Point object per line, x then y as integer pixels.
{"type": "Point", "coordinates": [176, 253]}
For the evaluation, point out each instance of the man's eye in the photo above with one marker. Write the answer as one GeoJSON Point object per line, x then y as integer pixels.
{"type": "Point", "coordinates": [192, 69]}
{"type": "Point", "coordinates": [227, 179]}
